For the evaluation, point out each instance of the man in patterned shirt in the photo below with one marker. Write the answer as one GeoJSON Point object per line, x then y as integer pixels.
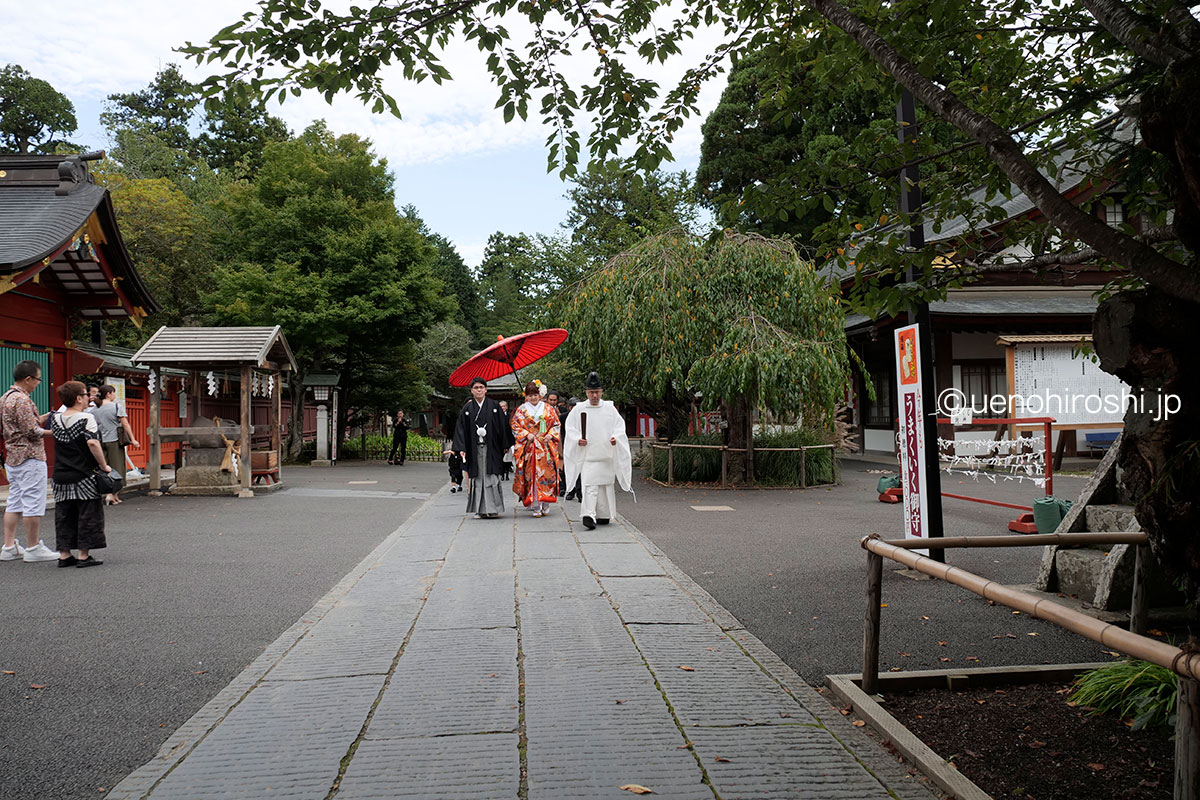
{"type": "Point", "coordinates": [24, 465]}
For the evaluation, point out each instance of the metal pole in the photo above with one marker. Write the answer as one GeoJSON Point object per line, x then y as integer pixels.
{"type": "Point", "coordinates": [870, 655]}
{"type": "Point", "coordinates": [910, 203]}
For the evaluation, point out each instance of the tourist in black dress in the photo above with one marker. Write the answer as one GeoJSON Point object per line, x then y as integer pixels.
{"type": "Point", "coordinates": [78, 511]}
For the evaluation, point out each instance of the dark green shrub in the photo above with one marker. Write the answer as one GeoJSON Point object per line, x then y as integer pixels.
{"type": "Point", "coordinates": [783, 469]}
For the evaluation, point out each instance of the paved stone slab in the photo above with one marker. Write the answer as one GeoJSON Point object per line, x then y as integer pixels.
{"type": "Point", "coordinates": [330, 651]}
{"type": "Point", "coordinates": [471, 601]}
{"type": "Point", "coordinates": [620, 559]}
{"type": "Point", "coordinates": [451, 682]}
{"type": "Point", "coordinates": [285, 740]}
{"type": "Point", "coordinates": [612, 533]}
{"type": "Point", "coordinates": [476, 552]}
{"type": "Point", "coordinates": [724, 686]}
{"type": "Point", "coordinates": [555, 520]}
{"type": "Point", "coordinates": [421, 548]}
{"type": "Point", "coordinates": [384, 587]}
{"type": "Point", "coordinates": [772, 761]}
{"type": "Point", "coordinates": [444, 768]}
{"type": "Point", "coordinates": [546, 544]}
{"type": "Point", "coordinates": [570, 762]}
{"type": "Point", "coordinates": [556, 578]}
{"type": "Point", "coordinates": [574, 630]}
{"type": "Point", "coordinates": [653, 599]}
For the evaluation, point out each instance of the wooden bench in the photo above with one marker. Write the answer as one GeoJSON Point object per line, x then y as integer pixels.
{"type": "Point", "coordinates": [1100, 442]}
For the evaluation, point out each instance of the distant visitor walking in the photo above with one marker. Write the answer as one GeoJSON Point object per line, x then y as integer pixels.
{"type": "Point", "coordinates": [597, 450]}
{"type": "Point", "coordinates": [399, 439]}
{"type": "Point", "coordinates": [535, 427]}
{"type": "Point", "coordinates": [480, 438]}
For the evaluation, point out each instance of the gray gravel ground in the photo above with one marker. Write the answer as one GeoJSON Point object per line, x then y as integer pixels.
{"type": "Point", "coordinates": [191, 591]}
{"type": "Point", "coordinates": [789, 566]}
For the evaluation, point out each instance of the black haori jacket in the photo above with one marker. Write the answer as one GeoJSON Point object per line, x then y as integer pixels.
{"type": "Point", "coordinates": [499, 435]}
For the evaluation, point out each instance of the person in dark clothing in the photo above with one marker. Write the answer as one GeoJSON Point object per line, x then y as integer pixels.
{"type": "Point", "coordinates": [576, 491]}
{"type": "Point", "coordinates": [553, 401]}
{"type": "Point", "coordinates": [455, 465]}
{"type": "Point", "coordinates": [78, 512]}
{"type": "Point", "coordinates": [506, 475]}
{"type": "Point", "coordinates": [481, 437]}
{"type": "Point", "coordinates": [399, 439]}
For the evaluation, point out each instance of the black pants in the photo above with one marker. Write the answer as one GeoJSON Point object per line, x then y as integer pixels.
{"type": "Point", "coordinates": [78, 525]}
{"type": "Point", "coordinates": [399, 442]}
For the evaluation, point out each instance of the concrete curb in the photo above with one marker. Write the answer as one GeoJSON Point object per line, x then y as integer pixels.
{"type": "Point", "coordinates": [188, 736]}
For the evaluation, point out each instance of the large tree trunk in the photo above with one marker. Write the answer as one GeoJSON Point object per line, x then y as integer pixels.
{"type": "Point", "coordinates": [739, 435]}
{"type": "Point", "coordinates": [295, 435]}
{"type": "Point", "coordinates": [1152, 342]}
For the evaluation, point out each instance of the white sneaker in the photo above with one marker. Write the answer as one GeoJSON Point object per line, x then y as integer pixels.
{"type": "Point", "coordinates": [40, 552]}
{"type": "Point", "coordinates": [11, 553]}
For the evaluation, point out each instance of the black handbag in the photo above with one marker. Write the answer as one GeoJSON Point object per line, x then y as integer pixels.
{"type": "Point", "coordinates": [108, 482]}
{"type": "Point", "coordinates": [123, 439]}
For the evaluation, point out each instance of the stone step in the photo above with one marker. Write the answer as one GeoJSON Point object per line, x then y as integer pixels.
{"type": "Point", "coordinates": [1081, 572]}
{"type": "Point", "coordinates": [1111, 519]}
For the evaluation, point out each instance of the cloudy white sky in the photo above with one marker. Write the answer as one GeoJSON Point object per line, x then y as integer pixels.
{"type": "Point", "coordinates": [453, 156]}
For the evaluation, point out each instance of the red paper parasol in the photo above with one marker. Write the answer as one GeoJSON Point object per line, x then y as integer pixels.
{"type": "Point", "coordinates": [508, 355]}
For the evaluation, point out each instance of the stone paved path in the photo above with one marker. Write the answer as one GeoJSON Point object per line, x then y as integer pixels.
{"type": "Point", "coordinates": [517, 658]}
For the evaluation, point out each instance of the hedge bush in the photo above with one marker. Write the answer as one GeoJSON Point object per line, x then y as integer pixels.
{"type": "Point", "coordinates": [770, 468]}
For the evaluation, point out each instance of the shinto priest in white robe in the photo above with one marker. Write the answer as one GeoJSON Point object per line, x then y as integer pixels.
{"type": "Point", "coordinates": [600, 464]}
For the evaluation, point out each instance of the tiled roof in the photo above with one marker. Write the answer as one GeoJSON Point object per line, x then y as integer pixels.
{"type": "Point", "coordinates": [37, 222]}
{"type": "Point", "coordinates": [216, 347]}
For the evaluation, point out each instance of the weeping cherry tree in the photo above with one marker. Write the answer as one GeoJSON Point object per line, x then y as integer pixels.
{"type": "Point", "coordinates": [743, 322]}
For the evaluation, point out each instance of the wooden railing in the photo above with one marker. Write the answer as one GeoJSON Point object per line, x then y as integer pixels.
{"type": "Point", "coordinates": [1183, 662]}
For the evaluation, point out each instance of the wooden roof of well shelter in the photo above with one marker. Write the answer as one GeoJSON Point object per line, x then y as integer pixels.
{"type": "Point", "coordinates": [201, 348]}
{"type": "Point", "coordinates": [58, 226]}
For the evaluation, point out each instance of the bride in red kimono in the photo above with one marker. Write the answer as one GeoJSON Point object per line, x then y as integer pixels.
{"type": "Point", "coordinates": [536, 461]}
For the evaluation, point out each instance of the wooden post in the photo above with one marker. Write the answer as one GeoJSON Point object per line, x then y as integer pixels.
{"type": "Point", "coordinates": [1061, 446]}
{"type": "Point", "coordinates": [750, 443]}
{"type": "Point", "coordinates": [155, 424]}
{"type": "Point", "coordinates": [246, 427]}
{"type": "Point", "coordinates": [1139, 610]}
{"type": "Point", "coordinates": [724, 466]}
{"type": "Point", "coordinates": [670, 465]}
{"type": "Point", "coordinates": [276, 422]}
{"type": "Point", "coordinates": [870, 658]}
{"type": "Point", "coordinates": [803, 467]}
{"type": "Point", "coordinates": [1187, 740]}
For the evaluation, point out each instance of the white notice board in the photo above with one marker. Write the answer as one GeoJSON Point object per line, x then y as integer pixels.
{"type": "Point", "coordinates": [1051, 380]}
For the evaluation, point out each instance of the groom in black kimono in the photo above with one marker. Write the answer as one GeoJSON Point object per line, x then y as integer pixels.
{"type": "Point", "coordinates": [481, 437]}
